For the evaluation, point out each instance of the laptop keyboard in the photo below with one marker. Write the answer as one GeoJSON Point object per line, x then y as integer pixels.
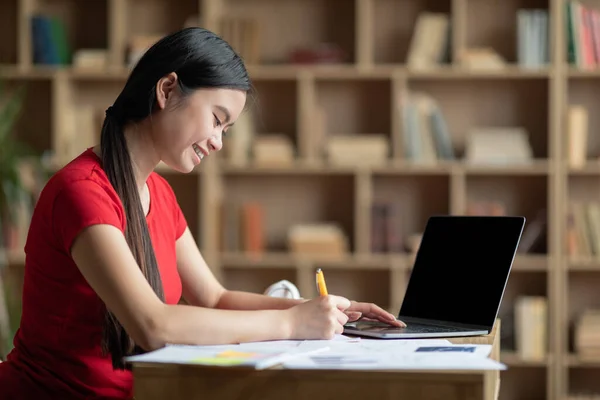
{"type": "Point", "coordinates": [423, 328]}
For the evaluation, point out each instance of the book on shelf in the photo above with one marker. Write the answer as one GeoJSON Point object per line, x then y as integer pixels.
{"type": "Point", "coordinates": [386, 235]}
{"type": "Point", "coordinates": [50, 43]}
{"type": "Point", "coordinates": [426, 136]}
{"type": "Point", "coordinates": [587, 335]}
{"type": "Point", "coordinates": [577, 135]}
{"type": "Point", "coordinates": [242, 227]}
{"type": "Point", "coordinates": [531, 327]}
{"type": "Point", "coordinates": [583, 230]}
{"type": "Point", "coordinates": [533, 49]}
{"type": "Point", "coordinates": [583, 34]}
{"type": "Point", "coordinates": [430, 42]}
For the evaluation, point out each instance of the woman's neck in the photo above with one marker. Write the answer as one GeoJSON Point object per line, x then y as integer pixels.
{"type": "Point", "coordinates": [144, 157]}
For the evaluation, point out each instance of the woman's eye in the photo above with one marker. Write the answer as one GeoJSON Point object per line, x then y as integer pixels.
{"type": "Point", "coordinates": [217, 122]}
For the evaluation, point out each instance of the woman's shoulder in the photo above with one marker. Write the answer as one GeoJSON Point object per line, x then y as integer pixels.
{"type": "Point", "coordinates": [83, 175]}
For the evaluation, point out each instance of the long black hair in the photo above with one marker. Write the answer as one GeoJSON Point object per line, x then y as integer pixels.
{"type": "Point", "coordinates": [201, 59]}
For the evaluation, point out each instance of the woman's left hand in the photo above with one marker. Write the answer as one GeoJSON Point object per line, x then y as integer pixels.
{"type": "Point", "coordinates": [370, 311]}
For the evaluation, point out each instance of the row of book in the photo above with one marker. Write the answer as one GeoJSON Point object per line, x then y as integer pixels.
{"type": "Point", "coordinates": [583, 34]}
{"type": "Point", "coordinates": [583, 230]}
{"type": "Point", "coordinates": [244, 229]}
{"type": "Point", "coordinates": [429, 43]}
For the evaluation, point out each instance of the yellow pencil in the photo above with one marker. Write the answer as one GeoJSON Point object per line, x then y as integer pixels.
{"type": "Point", "coordinates": [321, 286]}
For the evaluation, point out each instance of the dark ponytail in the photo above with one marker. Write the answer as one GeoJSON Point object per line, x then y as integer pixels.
{"type": "Point", "coordinates": [200, 59]}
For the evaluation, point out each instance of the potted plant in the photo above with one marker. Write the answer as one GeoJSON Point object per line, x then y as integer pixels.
{"type": "Point", "coordinates": [11, 193]}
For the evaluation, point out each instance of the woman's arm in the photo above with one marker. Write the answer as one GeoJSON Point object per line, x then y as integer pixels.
{"type": "Point", "coordinates": [106, 262]}
{"type": "Point", "coordinates": [201, 288]}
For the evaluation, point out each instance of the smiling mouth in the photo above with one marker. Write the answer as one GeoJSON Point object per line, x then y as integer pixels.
{"type": "Point", "coordinates": [198, 151]}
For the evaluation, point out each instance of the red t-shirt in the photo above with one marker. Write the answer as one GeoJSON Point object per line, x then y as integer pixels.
{"type": "Point", "coordinates": [57, 353]}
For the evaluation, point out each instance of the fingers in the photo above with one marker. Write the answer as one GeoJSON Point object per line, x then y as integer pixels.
{"type": "Point", "coordinates": [341, 303]}
{"type": "Point", "coordinates": [353, 315]}
{"type": "Point", "coordinates": [373, 311]}
{"type": "Point", "coordinates": [342, 319]}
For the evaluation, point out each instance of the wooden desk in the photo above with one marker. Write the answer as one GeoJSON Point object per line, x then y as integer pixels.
{"type": "Point", "coordinates": [172, 382]}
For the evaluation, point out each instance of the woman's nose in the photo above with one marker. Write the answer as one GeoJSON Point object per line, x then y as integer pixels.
{"type": "Point", "coordinates": [214, 144]}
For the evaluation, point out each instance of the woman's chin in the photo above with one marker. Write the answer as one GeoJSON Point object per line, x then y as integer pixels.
{"type": "Point", "coordinates": [184, 167]}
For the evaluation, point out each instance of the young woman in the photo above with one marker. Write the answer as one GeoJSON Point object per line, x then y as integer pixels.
{"type": "Point", "coordinates": [109, 254]}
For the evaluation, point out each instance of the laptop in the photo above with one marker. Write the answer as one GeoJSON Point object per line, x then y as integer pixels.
{"type": "Point", "coordinates": [458, 279]}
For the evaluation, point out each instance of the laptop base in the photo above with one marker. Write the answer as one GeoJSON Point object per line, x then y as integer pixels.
{"type": "Point", "coordinates": [380, 330]}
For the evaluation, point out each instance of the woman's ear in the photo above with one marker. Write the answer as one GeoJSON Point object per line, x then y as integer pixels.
{"type": "Point", "coordinates": [165, 89]}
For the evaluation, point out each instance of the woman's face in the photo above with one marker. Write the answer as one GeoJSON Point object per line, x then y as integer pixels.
{"type": "Point", "coordinates": [189, 129]}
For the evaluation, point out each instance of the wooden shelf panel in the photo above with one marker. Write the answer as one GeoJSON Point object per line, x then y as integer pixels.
{"type": "Point", "coordinates": [491, 103]}
{"type": "Point", "coordinates": [519, 382]}
{"type": "Point", "coordinates": [157, 17]}
{"type": "Point", "coordinates": [490, 26]}
{"type": "Point", "coordinates": [394, 167]}
{"type": "Point", "coordinates": [584, 264]}
{"type": "Point", "coordinates": [355, 106]}
{"type": "Point", "coordinates": [513, 359]}
{"type": "Point", "coordinates": [395, 22]}
{"type": "Point", "coordinates": [297, 25]}
{"type": "Point", "coordinates": [293, 71]}
{"type": "Point", "coordinates": [573, 360]}
{"type": "Point", "coordinates": [8, 31]}
{"type": "Point", "coordinates": [583, 381]}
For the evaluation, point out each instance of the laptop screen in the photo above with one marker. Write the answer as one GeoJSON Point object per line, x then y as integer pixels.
{"type": "Point", "coordinates": [462, 268]}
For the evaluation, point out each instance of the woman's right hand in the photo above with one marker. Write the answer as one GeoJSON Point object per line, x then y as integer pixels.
{"type": "Point", "coordinates": [320, 318]}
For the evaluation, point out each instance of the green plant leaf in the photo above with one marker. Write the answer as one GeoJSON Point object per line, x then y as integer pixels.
{"type": "Point", "coordinates": [11, 151]}
{"type": "Point", "coordinates": [10, 111]}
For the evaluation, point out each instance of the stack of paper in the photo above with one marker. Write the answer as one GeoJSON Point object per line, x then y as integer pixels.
{"type": "Point", "coordinates": [339, 353]}
{"type": "Point", "coordinates": [411, 354]}
{"type": "Point", "coordinates": [255, 355]}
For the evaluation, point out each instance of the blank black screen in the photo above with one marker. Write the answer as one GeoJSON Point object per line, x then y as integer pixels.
{"type": "Point", "coordinates": [461, 268]}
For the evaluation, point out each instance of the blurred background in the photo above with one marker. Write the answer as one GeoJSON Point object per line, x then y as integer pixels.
{"type": "Point", "coordinates": [370, 116]}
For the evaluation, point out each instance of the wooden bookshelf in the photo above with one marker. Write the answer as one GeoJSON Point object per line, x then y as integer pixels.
{"type": "Point", "coordinates": [360, 94]}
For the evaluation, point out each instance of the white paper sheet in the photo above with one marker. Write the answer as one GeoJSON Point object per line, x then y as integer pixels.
{"type": "Point", "coordinates": [374, 345]}
{"type": "Point", "coordinates": [257, 356]}
{"type": "Point", "coordinates": [406, 361]}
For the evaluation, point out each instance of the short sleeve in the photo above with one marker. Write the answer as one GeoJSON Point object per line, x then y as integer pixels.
{"type": "Point", "coordinates": [81, 204]}
{"type": "Point", "coordinates": [180, 221]}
